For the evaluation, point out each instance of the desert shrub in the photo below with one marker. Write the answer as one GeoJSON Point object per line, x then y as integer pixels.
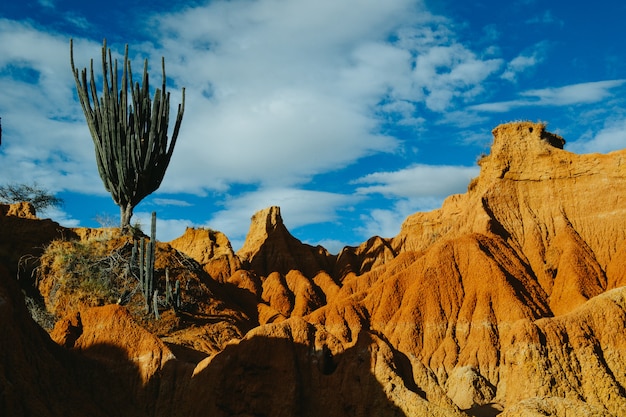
{"type": "Point", "coordinates": [75, 274]}
{"type": "Point", "coordinates": [104, 268]}
{"type": "Point", "coordinates": [38, 196]}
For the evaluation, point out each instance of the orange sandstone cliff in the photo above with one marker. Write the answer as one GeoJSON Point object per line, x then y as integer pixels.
{"type": "Point", "coordinates": [508, 300]}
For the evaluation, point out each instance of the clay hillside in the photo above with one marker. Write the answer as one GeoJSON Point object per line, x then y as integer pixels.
{"type": "Point", "coordinates": [508, 300]}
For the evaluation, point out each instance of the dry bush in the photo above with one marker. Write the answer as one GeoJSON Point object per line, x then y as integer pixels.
{"type": "Point", "coordinates": [77, 274]}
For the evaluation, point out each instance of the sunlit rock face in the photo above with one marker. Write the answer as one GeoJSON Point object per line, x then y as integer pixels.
{"type": "Point", "coordinates": [508, 300]}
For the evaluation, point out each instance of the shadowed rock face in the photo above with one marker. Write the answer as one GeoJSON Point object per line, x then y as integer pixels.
{"type": "Point", "coordinates": [507, 300]}
{"type": "Point", "coordinates": [40, 378]}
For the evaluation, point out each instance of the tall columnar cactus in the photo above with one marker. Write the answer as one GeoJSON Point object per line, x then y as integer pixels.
{"type": "Point", "coordinates": [129, 132]}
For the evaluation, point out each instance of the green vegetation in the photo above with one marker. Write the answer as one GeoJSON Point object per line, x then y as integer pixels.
{"type": "Point", "coordinates": [129, 130]}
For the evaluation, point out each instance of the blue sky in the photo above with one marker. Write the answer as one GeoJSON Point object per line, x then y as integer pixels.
{"type": "Point", "coordinates": [348, 114]}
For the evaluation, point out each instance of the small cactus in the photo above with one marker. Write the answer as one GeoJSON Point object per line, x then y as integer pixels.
{"type": "Point", "coordinates": [168, 288]}
{"type": "Point", "coordinates": [177, 295]}
{"type": "Point", "coordinates": [155, 302]}
{"type": "Point", "coordinates": [146, 265]}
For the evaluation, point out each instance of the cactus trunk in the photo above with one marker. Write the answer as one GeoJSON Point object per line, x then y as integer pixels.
{"type": "Point", "coordinates": [126, 212]}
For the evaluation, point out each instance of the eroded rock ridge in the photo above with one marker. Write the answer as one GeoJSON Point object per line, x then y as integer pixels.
{"type": "Point", "coordinates": [508, 300]}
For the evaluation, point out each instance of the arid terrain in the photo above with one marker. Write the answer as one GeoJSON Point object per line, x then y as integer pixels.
{"type": "Point", "coordinates": [509, 300]}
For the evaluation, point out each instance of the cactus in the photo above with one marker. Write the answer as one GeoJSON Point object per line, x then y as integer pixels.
{"type": "Point", "coordinates": [177, 295]}
{"type": "Point", "coordinates": [133, 255]}
{"type": "Point", "coordinates": [148, 282]}
{"type": "Point", "coordinates": [130, 139]}
{"type": "Point", "coordinates": [172, 297]}
{"type": "Point", "coordinates": [168, 288]}
{"type": "Point", "coordinates": [155, 302]}
{"type": "Point", "coordinates": [142, 261]}
{"type": "Point", "coordinates": [146, 260]}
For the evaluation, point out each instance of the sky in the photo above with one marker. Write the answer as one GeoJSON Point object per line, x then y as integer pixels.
{"type": "Point", "coordinates": [348, 114]}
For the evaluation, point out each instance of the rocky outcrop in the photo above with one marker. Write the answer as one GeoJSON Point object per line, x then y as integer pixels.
{"type": "Point", "coordinates": [579, 355]}
{"type": "Point", "coordinates": [269, 247]}
{"type": "Point", "coordinates": [508, 300]}
{"type": "Point", "coordinates": [211, 249]}
{"type": "Point", "coordinates": [562, 213]}
{"type": "Point", "coordinates": [23, 238]}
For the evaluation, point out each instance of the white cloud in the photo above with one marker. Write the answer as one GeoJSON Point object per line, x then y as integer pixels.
{"type": "Point", "coordinates": [416, 188]}
{"type": "Point", "coordinates": [289, 89]}
{"type": "Point", "coordinates": [276, 92]}
{"type": "Point", "coordinates": [612, 137]}
{"type": "Point", "coordinates": [171, 202]}
{"type": "Point", "coordinates": [499, 106]}
{"type": "Point", "coordinates": [518, 65]}
{"type": "Point", "coordinates": [574, 94]}
{"type": "Point", "coordinates": [582, 93]}
{"type": "Point", "coordinates": [387, 222]}
{"type": "Point", "coordinates": [45, 135]}
{"type": "Point", "coordinates": [447, 72]}
{"type": "Point", "coordinates": [282, 138]}
{"type": "Point", "coordinates": [60, 216]}
{"type": "Point", "coordinates": [281, 92]}
{"type": "Point", "coordinates": [166, 229]}
{"type": "Point", "coordinates": [419, 181]}
{"type": "Point", "coordinates": [331, 245]}
{"type": "Point", "coordinates": [381, 222]}
{"type": "Point", "coordinates": [78, 21]}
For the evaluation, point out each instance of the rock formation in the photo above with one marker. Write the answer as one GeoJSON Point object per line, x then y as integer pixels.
{"type": "Point", "coordinates": [23, 237]}
{"type": "Point", "coordinates": [508, 300]}
{"type": "Point", "coordinates": [269, 247]}
{"type": "Point", "coordinates": [211, 249]}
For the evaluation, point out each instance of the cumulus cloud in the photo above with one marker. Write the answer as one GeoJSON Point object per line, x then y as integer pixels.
{"type": "Point", "coordinates": [582, 93]}
{"type": "Point", "coordinates": [333, 246]}
{"type": "Point", "coordinates": [418, 181]}
{"type": "Point", "coordinates": [611, 137]}
{"type": "Point", "coordinates": [166, 230]}
{"type": "Point", "coordinates": [279, 92]}
{"type": "Point", "coordinates": [282, 93]}
{"type": "Point", "coordinates": [388, 221]}
{"type": "Point", "coordinates": [519, 64]}
{"type": "Point", "coordinates": [416, 188]}
{"type": "Point", "coordinates": [60, 216]}
{"type": "Point", "coordinates": [448, 72]}
{"type": "Point", "coordinates": [44, 135]}
{"type": "Point", "coordinates": [276, 93]}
